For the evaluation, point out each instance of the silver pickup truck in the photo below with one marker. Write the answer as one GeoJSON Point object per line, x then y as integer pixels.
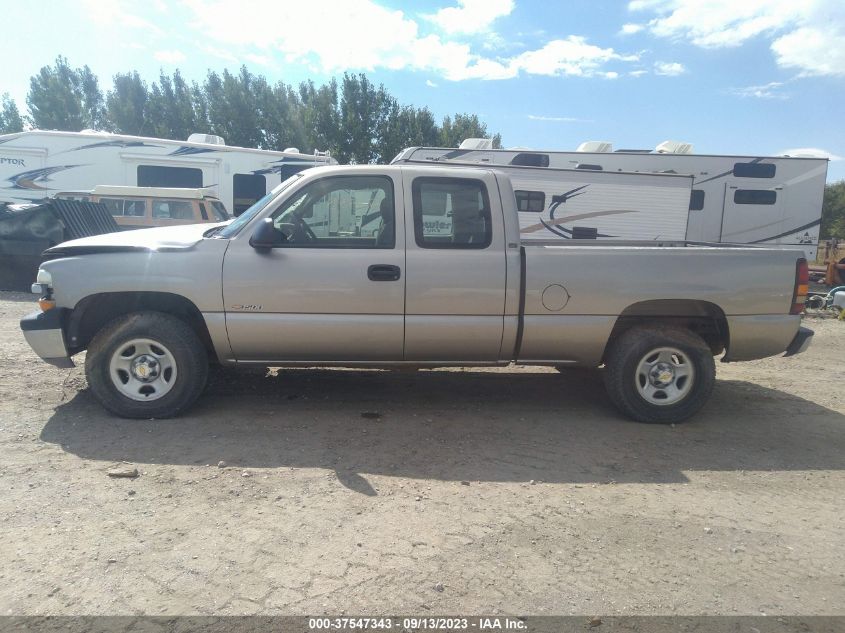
{"type": "Point", "coordinates": [385, 266]}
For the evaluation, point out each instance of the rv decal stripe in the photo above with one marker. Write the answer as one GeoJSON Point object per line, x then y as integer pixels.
{"type": "Point", "coordinates": [790, 232]}
{"type": "Point", "coordinates": [727, 173]}
{"type": "Point", "coordinates": [123, 144]}
{"type": "Point", "coordinates": [29, 179]}
{"type": "Point", "coordinates": [184, 150]}
{"type": "Point", "coordinates": [570, 218]}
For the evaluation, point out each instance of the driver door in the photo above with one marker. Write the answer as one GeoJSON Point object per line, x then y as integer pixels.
{"type": "Point", "coordinates": [334, 289]}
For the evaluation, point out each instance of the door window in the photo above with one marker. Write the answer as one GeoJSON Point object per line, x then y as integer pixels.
{"type": "Point", "coordinates": [340, 212]}
{"type": "Point", "coordinates": [173, 209]}
{"type": "Point", "coordinates": [451, 213]}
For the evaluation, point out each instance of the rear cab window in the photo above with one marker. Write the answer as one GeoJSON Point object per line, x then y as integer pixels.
{"type": "Point", "coordinates": [451, 213]}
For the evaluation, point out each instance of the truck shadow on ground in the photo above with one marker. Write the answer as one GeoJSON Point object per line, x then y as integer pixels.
{"type": "Point", "coordinates": [459, 426]}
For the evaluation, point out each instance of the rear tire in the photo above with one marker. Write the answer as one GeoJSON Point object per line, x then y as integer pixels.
{"type": "Point", "coordinates": [146, 365]}
{"type": "Point", "coordinates": [659, 375]}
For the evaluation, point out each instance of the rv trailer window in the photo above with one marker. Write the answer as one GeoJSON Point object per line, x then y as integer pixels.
{"type": "Point", "coordinates": [451, 213]}
{"type": "Point", "coordinates": [755, 196]}
{"type": "Point", "coordinates": [531, 160]}
{"type": "Point", "coordinates": [173, 209]}
{"type": "Point", "coordinates": [286, 171]}
{"type": "Point", "coordinates": [589, 166]}
{"type": "Point", "coordinates": [696, 200]}
{"type": "Point", "coordinates": [530, 200]}
{"type": "Point", "coordinates": [248, 189]}
{"type": "Point", "coordinates": [754, 170]}
{"type": "Point", "coordinates": [159, 176]}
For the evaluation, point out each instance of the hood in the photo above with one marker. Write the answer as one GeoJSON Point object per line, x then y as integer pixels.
{"type": "Point", "coordinates": [165, 238]}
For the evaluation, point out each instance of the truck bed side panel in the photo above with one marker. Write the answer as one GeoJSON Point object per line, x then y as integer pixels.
{"type": "Point", "coordinates": [574, 294]}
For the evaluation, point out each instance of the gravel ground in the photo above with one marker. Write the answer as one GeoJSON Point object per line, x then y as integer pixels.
{"type": "Point", "coordinates": [512, 490]}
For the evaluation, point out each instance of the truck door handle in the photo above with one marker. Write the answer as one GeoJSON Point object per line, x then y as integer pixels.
{"type": "Point", "coordinates": [384, 272]}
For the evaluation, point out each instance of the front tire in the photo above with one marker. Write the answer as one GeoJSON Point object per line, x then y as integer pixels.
{"type": "Point", "coordinates": [659, 375]}
{"type": "Point", "coordinates": [146, 365]}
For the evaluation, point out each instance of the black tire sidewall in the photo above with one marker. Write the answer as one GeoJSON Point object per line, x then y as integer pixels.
{"type": "Point", "coordinates": [172, 333]}
{"type": "Point", "coordinates": [622, 367]}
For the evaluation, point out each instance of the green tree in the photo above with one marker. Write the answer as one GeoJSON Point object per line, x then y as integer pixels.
{"type": "Point", "coordinates": [364, 109]}
{"type": "Point", "coordinates": [172, 101]}
{"type": "Point", "coordinates": [464, 126]}
{"type": "Point", "coordinates": [64, 98]}
{"type": "Point", "coordinates": [126, 104]}
{"type": "Point", "coordinates": [232, 107]}
{"type": "Point", "coordinates": [10, 117]}
{"type": "Point", "coordinates": [833, 211]}
{"type": "Point", "coordinates": [320, 116]}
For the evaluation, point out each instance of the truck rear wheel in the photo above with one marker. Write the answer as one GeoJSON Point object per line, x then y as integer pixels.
{"type": "Point", "coordinates": [659, 375]}
{"type": "Point", "coordinates": [146, 365]}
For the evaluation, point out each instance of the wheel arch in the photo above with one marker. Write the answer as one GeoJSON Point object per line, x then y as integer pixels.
{"type": "Point", "coordinates": [702, 317]}
{"type": "Point", "coordinates": [94, 311]}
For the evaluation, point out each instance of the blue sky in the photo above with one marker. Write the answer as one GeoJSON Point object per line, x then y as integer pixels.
{"type": "Point", "coordinates": [745, 77]}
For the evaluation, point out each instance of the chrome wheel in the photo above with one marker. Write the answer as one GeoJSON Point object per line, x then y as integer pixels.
{"type": "Point", "coordinates": [664, 376]}
{"type": "Point", "coordinates": [142, 369]}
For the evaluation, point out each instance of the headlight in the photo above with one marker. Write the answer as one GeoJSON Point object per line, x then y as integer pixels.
{"type": "Point", "coordinates": [43, 287]}
{"type": "Point", "coordinates": [43, 277]}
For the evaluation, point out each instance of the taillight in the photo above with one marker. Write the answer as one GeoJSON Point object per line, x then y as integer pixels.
{"type": "Point", "coordinates": [802, 286]}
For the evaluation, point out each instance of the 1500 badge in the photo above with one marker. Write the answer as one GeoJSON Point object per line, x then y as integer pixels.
{"type": "Point", "coordinates": [250, 307]}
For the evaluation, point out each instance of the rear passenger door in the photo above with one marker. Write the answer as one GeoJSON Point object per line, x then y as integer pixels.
{"type": "Point", "coordinates": [455, 262]}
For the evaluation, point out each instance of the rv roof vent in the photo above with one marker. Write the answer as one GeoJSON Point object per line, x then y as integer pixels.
{"type": "Point", "coordinates": [208, 139]}
{"type": "Point", "coordinates": [477, 143]}
{"type": "Point", "coordinates": [291, 150]}
{"type": "Point", "coordinates": [674, 147]}
{"type": "Point", "coordinates": [595, 146]}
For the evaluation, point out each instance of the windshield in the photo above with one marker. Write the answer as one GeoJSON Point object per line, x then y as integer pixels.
{"type": "Point", "coordinates": [244, 218]}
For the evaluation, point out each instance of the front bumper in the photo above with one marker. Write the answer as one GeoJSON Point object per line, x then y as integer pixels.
{"type": "Point", "coordinates": [45, 335]}
{"type": "Point", "coordinates": [801, 341]}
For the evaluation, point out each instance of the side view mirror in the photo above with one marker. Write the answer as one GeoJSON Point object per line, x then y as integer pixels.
{"type": "Point", "coordinates": [267, 235]}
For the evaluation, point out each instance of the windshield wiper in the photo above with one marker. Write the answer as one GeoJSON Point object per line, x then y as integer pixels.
{"type": "Point", "coordinates": [214, 230]}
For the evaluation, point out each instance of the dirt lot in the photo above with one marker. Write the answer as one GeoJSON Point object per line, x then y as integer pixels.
{"type": "Point", "coordinates": [502, 491]}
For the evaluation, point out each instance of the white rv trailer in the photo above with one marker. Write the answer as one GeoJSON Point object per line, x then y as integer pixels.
{"type": "Point", "coordinates": [776, 201]}
{"type": "Point", "coordinates": [556, 204]}
{"type": "Point", "coordinates": [37, 164]}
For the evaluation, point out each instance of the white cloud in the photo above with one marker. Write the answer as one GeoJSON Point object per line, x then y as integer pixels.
{"type": "Point", "coordinates": [638, 73]}
{"type": "Point", "coordinates": [116, 13]}
{"type": "Point", "coordinates": [630, 29]}
{"type": "Point", "coordinates": [471, 16]}
{"type": "Point", "coordinates": [812, 50]}
{"type": "Point", "coordinates": [261, 60]}
{"type": "Point", "coordinates": [810, 151]}
{"type": "Point", "coordinates": [430, 83]}
{"type": "Point", "coordinates": [807, 35]}
{"type": "Point", "coordinates": [770, 90]}
{"type": "Point", "coordinates": [308, 33]}
{"type": "Point", "coordinates": [669, 69]}
{"type": "Point", "coordinates": [169, 57]}
{"type": "Point", "coordinates": [572, 56]}
{"type": "Point", "coordinates": [558, 119]}
{"type": "Point", "coordinates": [220, 53]}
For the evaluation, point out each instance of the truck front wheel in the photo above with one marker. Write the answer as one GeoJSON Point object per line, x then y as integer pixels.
{"type": "Point", "coordinates": [659, 375]}
{"type": "Point", "coordinates": [146, 365]}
